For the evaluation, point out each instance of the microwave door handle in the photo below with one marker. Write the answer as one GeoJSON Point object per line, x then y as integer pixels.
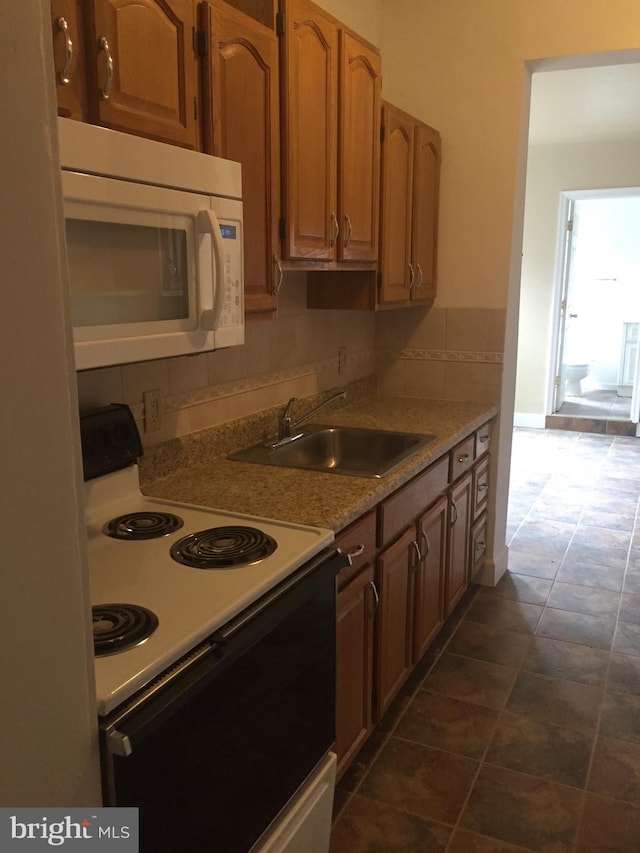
{"type": "Point", "coordinates": [208, 224]}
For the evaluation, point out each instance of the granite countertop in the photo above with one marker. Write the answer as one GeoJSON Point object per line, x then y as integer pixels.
{"type": "Point", "coordinates": [197, 471]}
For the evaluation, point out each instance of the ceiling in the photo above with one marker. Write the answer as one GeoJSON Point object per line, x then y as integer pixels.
{"type": "Point", "coordinates": [585, 104]}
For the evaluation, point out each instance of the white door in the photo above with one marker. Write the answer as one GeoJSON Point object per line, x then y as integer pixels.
{"type": "Point", "coordinates": [567, 314]}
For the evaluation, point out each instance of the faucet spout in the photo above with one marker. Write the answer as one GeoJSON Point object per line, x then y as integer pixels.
{"type": "Point", "coordinates": [286, 424]}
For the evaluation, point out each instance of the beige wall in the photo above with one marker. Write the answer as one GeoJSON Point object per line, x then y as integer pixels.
{"type": "Point", "coordinates": [552, 169]}
{"type": "Point", "coordinates": [48, 738]}
{"type": "Point", "coordinates": [460, 66]}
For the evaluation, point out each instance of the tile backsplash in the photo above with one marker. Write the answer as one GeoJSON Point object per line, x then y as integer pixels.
{"type": "Point", "coordinates": [453, 354]}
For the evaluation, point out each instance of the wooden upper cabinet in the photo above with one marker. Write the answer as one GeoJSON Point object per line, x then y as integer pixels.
{"type": "Point", "coordinates": [151, 78]}
{"type": "Point", "coordinates": [359, 150]}
{"type": "Point", "coordinates": [241, 123]}
{"type": "Point", "coordinates": [309, 132]}
{"type": "Point", "coordinates": [396, 205]}
{"type": "Point", "coordinates": [130, 65]}
{"type": "Point", "coordinates": [409, 209]}
{"type": "Point", "coordinates": [69, 58]}
{"type": "Point", "coordinates": [424, 230]}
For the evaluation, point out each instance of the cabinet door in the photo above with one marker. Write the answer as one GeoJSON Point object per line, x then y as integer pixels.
{"type": "Point", "coordinates": [241, 118]}
{"type": "Point", "coordinates": [395, 566]}
{"type": "Point", "coordinates": [359, 154]}
{"type": "Point", "coordinates": [396, 200]}
{"type": "Point", "coordinates": [356, 608]}
{"type": "Point", "coordinates": [69, 58]}
{"type": "Point", "coordinates": [424, 229]}
{"type": "Point", "coordinates": [144, 69]}
{"type": "Point", "coordinates": [310, 114]}
{"type": "Point", "coordinates": [429, 593]}
{"type": "Point", "coordinates": [460, 504]}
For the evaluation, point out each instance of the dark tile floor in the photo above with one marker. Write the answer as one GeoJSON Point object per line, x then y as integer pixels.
{"type": "Point", "coordinates": [520, 731]}
{"type": "Point", "coordinates": [597, 404]}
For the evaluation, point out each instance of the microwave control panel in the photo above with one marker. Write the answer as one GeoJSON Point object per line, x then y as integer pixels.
{"type": "Point", "coordinates": [232, 313]}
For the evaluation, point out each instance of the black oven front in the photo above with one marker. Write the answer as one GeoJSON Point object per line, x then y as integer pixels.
{"type": "Point", "coordinates": [213, 751]}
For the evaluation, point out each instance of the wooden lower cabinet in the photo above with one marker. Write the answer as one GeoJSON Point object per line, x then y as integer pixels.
{"type": "Point", "coordinates": [416, 553]}
{"type": "Point", "coordinates": [429, 592]}
{"type": "Point", "coordinates": [460, 515]}
{"type": "Point", "coordinates": [356, 607]}
{"type": "Point", "coordinates": [395, 568]}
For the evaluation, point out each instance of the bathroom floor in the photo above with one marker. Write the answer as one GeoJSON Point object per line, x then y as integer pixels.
{"type": "Point", "coordinates": [520, 731]}
{"type": "Point", "coordinates": [597, 404]}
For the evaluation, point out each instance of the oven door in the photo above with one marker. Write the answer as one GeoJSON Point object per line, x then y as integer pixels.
{"type": "Point", "coordinates": [213, 754]}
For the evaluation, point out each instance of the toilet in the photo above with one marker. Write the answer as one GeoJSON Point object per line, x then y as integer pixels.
{"type": "Point", "coordinates": [574, 374]}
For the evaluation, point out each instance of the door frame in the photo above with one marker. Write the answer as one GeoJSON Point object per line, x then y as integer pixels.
{"type": "Point", "coordinates": [567, 201]}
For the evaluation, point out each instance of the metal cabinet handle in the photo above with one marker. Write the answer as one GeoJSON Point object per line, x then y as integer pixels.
{"type": "Point", "coordinates": [416, 549]}
{"type": "Point", "coordinates": [454, 513]}
{"type": "Point", "coordinates": [480, 546]}
{"type": "Point", "coordinates": [347, 238]}
{"type": "Point", "coordinates": [376, 596]}
{"type": "Point", "coordinates": [336, 229]}
{"type": "Point", "coordinates": [463, 458]}
{"type": "Point", "coordinates": [482, 487]}
{"type": "Point", "coordinates": [65, 77]}
{"type": "Point", "coordinates": [103, 43]}
{"type": "Point", "coordinates": [425, 541]}
{"type": "Point", "coordinates": [484, 439]}
{"type": "Point", "coordinates": [419, 284]}
{"type": "Point", "coordinates": [278, 266]}
{"type": "Point", "coordinates": [412, 276]}
{"type": "Point", "coordinates": [351, 555]}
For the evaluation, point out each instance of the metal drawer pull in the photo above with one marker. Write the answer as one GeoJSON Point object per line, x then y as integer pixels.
{"type": "Point", "coordinates": [336, 229]}
{"type": "Point", "coordinates": [484, 439]}
{"type": "Point", "coordinates": [103, 42]}
{"type": "Point", "coordinates": [454, 513]}
{"type": "Point", "coordinates": [65, 79]}
{"type": "Point", "coordinates": [351, 555]}
{"type": "Point", "coordinates": [377, 598]}
{"type": "Point", "coordinates": [412, 276]}
{"type": "Point", "coordinates": [463, 458]}
{"type": "Point", "coordinates": [480, 546]}
{"type": "Point", "coordinates": [482, 487]}
{"type": "Point", "coordinates": [278, 266]}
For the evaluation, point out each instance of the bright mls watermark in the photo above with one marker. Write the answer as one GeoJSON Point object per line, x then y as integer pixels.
{"type": "Point", "coordinates": [112, 829]}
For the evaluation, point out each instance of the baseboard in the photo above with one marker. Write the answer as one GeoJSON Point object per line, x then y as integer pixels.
{"type": "Point", "coordinates": [492, 570]}
{"type": "Point", "coordinates": [528, 420]}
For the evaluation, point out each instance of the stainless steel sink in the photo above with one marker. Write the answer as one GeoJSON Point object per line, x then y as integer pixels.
{"type": "Point", "coordinates": [337, 449]}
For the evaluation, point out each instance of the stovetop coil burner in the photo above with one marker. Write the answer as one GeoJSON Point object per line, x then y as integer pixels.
{"type": "Point", "coordinates": [117, 627]}
{"type": "Point", "coordinates": [142, 525]}
{"type": "Point", "coordinates": [223, 547]}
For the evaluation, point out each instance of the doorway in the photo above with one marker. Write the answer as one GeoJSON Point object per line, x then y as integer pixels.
{"type": "Point", "coordinates": [596, 362]}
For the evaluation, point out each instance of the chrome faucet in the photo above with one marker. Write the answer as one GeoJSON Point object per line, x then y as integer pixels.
{"type": "Point", "coordinates": [286, 424]}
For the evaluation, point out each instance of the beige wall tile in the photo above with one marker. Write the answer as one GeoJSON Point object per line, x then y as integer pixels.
{"type": "Point", "coordinates": [188, 373]}
{"type": "Point", "coordinates": [144, 376]}
{"type": "Point", "coordinates": [426, 328]}
{"type": "Point", "coordinates": [466, 329]}
{"type": "Point", "coordinates": [423, 379]}
{"type": "Point", "coordinates": [99, 387]}
{"type": "Point", "coordinates": [390, 329]}
{"type": "Point", "coordinates": [496, 325]}
{"type": "Point", "coordinates": [464, 381]}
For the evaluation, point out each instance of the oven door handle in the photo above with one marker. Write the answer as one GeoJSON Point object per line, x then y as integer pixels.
{"type": "Point", "coordinates": [130, 724]}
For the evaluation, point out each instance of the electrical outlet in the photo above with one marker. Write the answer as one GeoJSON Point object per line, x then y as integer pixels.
{"type": "Point", "coordinates": [151, 401]}
{"type": "Point", "coordinates": [342, 359]}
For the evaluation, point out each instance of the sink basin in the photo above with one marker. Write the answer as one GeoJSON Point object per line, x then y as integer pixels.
{"type": "Point", "coordinates": [337, 449]}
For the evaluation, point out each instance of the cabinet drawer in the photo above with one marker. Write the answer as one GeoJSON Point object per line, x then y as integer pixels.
{"type": "Point", "coordinates": [478, 543]}
{"type": "Point", "coordinates": [483, 439]}
{"type": "Point", "coordinates": [462, 457]}
{"type": "Point", "coordinates": [480, 486]}
{"type": "Point", "coordinates": [402, 508]}
{"type": "Point", "coordinates": [361, 532]}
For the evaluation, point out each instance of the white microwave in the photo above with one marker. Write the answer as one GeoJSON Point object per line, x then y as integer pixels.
{"type": "Point", "coordinates": [154, 245]}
